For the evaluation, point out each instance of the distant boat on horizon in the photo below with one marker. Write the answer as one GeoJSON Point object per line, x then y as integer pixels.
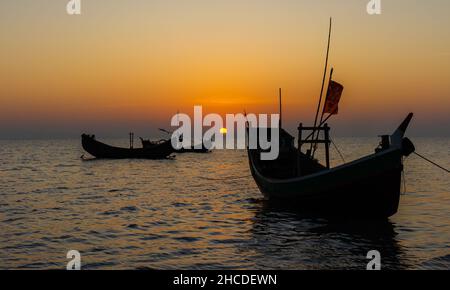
{"type": "Point", "coordinates": [160, 149]}
{"type": "Point", "coordinates": [193, 148]}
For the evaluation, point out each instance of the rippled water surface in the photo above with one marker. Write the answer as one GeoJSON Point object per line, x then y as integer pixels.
{"type": "Point", "coordinates": [201, 212]}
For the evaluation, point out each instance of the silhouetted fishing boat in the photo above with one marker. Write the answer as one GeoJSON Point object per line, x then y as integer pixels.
{"type": "Point", "coordinates": [369, 186]}
{"type": "Point", "coordinates": [193, 149]}
{"type": "Point", "coordinates": [150, 150]}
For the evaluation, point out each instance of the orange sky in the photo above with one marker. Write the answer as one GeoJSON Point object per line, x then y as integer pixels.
{"type": "Point", "coordinates": [129, 65]}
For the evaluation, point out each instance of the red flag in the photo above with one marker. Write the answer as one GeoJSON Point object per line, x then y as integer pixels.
{"type": "Point", "coordinates": [333, 97]}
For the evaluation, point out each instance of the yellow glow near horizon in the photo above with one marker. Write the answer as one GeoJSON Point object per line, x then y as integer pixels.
{"type": "Point", "coordinates": [223, 131]}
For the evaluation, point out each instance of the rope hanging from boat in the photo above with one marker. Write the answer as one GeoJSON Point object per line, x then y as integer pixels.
{"type": "Point", "coordinates": [404, 179]}
{"type": "Point", "coordinates": [338, 151]}
{"type": "Point", "coordinates": [432, 162]}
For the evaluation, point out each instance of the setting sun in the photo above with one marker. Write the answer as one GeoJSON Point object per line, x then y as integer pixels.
{"type": "Point", "coordinates": [223, 131]}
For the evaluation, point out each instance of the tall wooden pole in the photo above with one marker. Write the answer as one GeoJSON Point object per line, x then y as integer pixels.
{"type": "Point", "coordinates": [324, 77]}
{"type": "Point", "coordinates": [281, 112]}
{"type": "Point", "coordinates": [299, 147]}
{"type": "Point", "coordinates": [321, 116]}
{"type": "Point", "coordinates": [327, 145]}
{"type": "Point", "coordinates": [329, 81]}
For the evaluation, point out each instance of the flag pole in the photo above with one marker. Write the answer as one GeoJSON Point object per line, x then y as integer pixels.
{"type": "Point", "coordinates": [321, 116]}
{"type": "Point", "coordinates": [329, 82]}
{"type": "Point", "coordinates": [324, 77]}
{"type": "Point", "coordinates": [279, 93]}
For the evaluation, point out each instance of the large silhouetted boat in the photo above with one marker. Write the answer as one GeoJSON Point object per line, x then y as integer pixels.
{"type": "Point", "coordinates": [369, 186]}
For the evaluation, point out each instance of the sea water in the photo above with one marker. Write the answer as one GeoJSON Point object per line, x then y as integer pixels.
{"type": "Point", "coordinates": [202, 211]}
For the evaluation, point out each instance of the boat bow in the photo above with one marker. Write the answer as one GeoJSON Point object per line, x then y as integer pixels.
{"type": "Point", "coordinates": [397, 136]}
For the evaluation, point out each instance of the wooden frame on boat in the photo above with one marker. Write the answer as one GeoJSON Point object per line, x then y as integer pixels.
{"type": "Point", "coordinates": [326, 141]}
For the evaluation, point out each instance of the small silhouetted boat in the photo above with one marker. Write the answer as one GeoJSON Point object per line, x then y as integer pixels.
{"type": "Point", "coordinates": [150, 150]}
{"type": "Point", "coordinates": [194, 148]}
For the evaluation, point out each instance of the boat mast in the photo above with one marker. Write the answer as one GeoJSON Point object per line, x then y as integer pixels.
{"type": "Point", "coordinates": [323, 81]}
{"type": "Point", "coordinates": [321, 122]}
{"type": "Point", "coordinates": [279, 93]}
{"type": "Point", "coordinates": [131, 140]}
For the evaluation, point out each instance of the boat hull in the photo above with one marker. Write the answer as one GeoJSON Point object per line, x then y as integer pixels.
{"type": "Point", "coordinates": [104, 151]}
{"type": "Point", "coordinates": [367, 187]}
{"type": "Point", "coordinates": [203, 150]}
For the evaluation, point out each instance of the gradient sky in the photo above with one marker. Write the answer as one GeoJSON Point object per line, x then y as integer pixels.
{"type": "Point", "coordinates": [130, 65]}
